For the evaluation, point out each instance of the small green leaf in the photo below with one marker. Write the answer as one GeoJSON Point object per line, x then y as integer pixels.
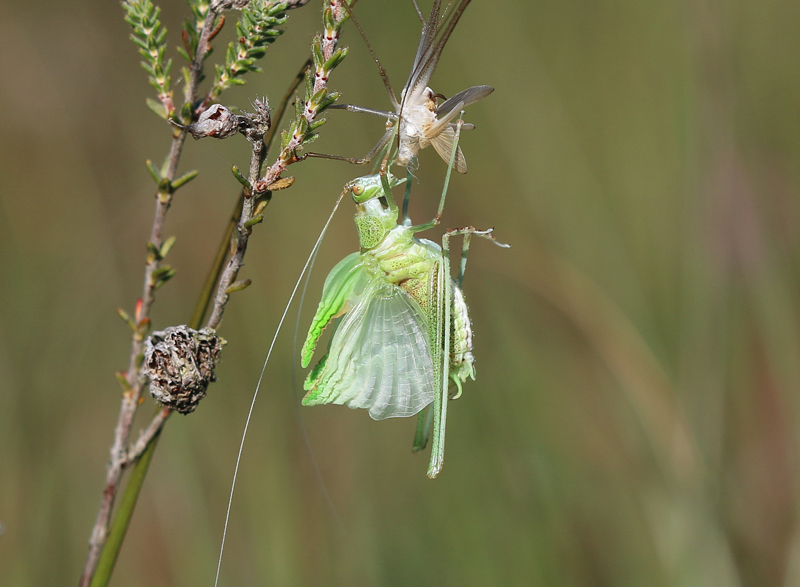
{"type": "Point", "coordinates": [281, 184]}
{"type": "Point", "coordinates": [240, 178]}
{"type": "Point", "coordinates": [309, 81]}
{"type": "Point", "coordinates": [260, 207]}
{"type": "Point", "coordinates": [327, 102]}
{"type": "Point", "coordinates": [186, 112]}
{"type": "Point", "coordinates": [187, 84]}
{"type": "Point", "coordinates": [327, 19]}
{"type": "Point", "coordinates": [162, 275]}
{"type": "Point", "coordinates": [158, 108]}
{"type": "Point", "coordinates": [153, 171]}
{"type": "Point", "coordinates": [152, 249]}
{"type": "Point", "coordinates": [184, 179]}
{"type": "Point", "coordinates": [123, 380]}
{"type": "Point", "coordinates": [257, 219]}
{"type": "Point", "coordinates": [238, 286]}
{"type": "Point", "coordinates": [336, 58]}
{"type": "Point", "coordinates": [126, 318]}
{"type": "Point", "coordinates": [316, 52]}
{"type": "Point", "coordinates": [167, 246]}
{"type": "Point", "coordinates": [164, 186]}
{"type": "Point", "coordinates": [302, 126]}
{"type": "Point", "coordinates": [319, 96]}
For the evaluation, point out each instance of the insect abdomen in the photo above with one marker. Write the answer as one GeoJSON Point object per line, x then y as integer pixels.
{"type": "Point", "coordinates": [461, 358]}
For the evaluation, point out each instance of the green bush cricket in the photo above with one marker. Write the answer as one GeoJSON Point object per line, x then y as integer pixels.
{"type": "Point", "coordinates": [402, 331]}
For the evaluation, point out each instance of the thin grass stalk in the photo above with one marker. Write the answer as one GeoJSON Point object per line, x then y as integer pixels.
{"type": "Point", "coordinates": [106, 543]}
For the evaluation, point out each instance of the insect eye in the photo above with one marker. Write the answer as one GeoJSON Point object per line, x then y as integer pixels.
{"type": "Point", "coordinates": [358, 189]}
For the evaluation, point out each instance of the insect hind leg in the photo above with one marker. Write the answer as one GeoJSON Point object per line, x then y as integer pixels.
{"type": "Point", "coordinates": [468, 232]}
{"type": "Point", "coordinates": [423, 433]}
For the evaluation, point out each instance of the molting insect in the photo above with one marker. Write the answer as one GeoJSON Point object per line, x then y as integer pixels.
{"type": "Point", "coordinates": [402, 332]}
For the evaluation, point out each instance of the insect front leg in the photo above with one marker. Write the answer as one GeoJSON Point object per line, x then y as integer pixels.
{"type": "Point", "coordinates": [438, 217]}
{"type": "Point", "coordinates": [378, 148]}
{"type": "Point", "coordinates": [468, 231]}
{"type": "Point", "coordinates": [423, 433]}
{"type": "Point", "coordinates": [441, 342]}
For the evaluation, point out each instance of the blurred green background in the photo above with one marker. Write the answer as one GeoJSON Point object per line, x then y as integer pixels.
{"type": "Point", "coordinates": [634, 420]}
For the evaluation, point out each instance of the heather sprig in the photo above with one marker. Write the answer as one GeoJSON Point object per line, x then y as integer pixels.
{"type": "Point", "coordinates": [193, 27]}
{"type": "Point", "coordinates": [149, 35]}
{"type": "Point", "coordinates": [255, 31]}
{"type": "Point", "coordinates": [198, 116]}
{"type": "Point", "coordinates": [325, 58]}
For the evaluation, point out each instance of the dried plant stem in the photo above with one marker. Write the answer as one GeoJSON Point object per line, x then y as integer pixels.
{"type": "Point", "coordinates": [105, 564]}
{"type": "Point", "coordinates": [222, 253]}
{"type": "Point", "coordinates": [207, 293]}
{"type": "Point", "coordinates": [243, 235]}
{"type": "Point", "coordinates": [148, 434]}
{"type": "Point", "coordinates": [120, 457]}
{"type": "Point", "coordinates": [106, 539]}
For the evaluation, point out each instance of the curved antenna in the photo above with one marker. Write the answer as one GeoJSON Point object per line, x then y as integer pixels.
{"type": "Point", "coordinates": [261, 378]}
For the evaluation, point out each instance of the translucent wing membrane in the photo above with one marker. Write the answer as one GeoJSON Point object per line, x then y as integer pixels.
{"type": "Point", "coordinates": [347, 276]}
{"type": "Point", "coordinates": [443, 143]}
{"type": "Point", "coordinates": [468, 96]}
{"type": "Point", "coordinates": [379, 357]}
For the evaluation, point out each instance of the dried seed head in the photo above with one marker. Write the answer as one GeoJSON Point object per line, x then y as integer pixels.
{"type": "Point", "coordinates": [217, 121]}
{"type": "Point", "coordinates": [254, 125]}
{"type": "Point", "coordinates": [180, 364]}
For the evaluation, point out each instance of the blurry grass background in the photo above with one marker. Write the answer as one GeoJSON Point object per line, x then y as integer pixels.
{"type": "Point", "coordinates": [634, 421]}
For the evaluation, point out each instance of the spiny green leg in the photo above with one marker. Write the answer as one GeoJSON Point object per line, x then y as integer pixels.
{"type": "Point", "coordinates": [406, 197]}
{"type": "Point", "coordinates": [424, 421]}
{"type": "Point", "coordinates": [387, 153]}
{"type": "Point", "coordinates": [387, 192]}
{"type": "Point", "coordinates": [440, 339]}
{"type": "Point", "coordinates": [379, 149]}
{"type": "Point", "coordinates": [463, 262]}
{"type": "Point", "coordinates": [451, 164]}
{"type": "Point", "coordinates": [468, 232]}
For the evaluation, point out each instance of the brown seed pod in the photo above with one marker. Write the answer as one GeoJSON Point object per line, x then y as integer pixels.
{"type": "Point", "coordinates": [180, 362]}
{"type": "Point", "coordinates": [217, 121]}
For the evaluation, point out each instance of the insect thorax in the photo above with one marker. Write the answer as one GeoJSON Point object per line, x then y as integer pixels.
{"type": "Point", "coordinates": [406, 262]}
{"type": "Point", "coordinates": [373, 222]}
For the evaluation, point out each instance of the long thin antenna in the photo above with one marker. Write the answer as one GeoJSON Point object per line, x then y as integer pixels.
{"type": "Point", "coordinates": [261, 378]}
{"type": "Point", "coordinates": [311, 457]}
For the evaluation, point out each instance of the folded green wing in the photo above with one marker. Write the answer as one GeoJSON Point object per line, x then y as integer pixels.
{"type": "Point", "coordinates": [347, 276]}
{"type": "Point", "coordinates": [379, 357]}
